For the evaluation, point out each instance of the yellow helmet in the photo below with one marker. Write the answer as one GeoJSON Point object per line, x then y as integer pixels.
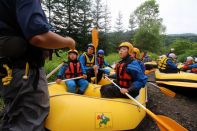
{"type": "Point", "coordinates": [137, 52]}
{"type": "Point", "coordinates": [127, 44]}
{"type": "Point", "coordinates": [73, 51]}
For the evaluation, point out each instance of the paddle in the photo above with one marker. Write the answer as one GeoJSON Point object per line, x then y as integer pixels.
{"type": "Point", "coordinates": [53, 71]}
{"type": "Point", "coordinates": [66, 80]}
{"type": "Point", "coordinates": [165, 123]}
{"type": "Point", "coordinates": [95, 43]}
{"type": "Point", "coordinates": [164, 90]}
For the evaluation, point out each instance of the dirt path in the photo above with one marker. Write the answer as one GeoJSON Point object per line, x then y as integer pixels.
{"type": "Point", "coordinates": [182, 109]}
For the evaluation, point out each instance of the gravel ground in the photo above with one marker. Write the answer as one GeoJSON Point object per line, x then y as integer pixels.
{"type": "Point", "coordinates": [182, 108]}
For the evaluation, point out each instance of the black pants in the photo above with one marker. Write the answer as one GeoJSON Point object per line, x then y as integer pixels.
{"type": "Point", "coordinates": [26, 107]}
{"type": "Point", "coordinates": [169, 71]}
{"type": "Point", "coordinates": [111, 91]}
{"type": "Point", "coordinates": [90, 73]}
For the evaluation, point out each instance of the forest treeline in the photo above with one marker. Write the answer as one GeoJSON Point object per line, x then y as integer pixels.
{"type": "Point", "coordinates": [76, 18]}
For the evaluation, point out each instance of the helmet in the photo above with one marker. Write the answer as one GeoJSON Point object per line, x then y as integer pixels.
{"type": "Point", "coordinates": [101, 52]}
{"type": "Point", "coordinates": [172, 55]}
{"type": "Point", "coordinates": [73, 51]}
{"type": "Point", "coordinates": [137, 52]}
{"type": "Point", "coordinates": [172, 49]}
{"type": "Point", "coordinates": [195, 60]}
{"type": "Point", "coordinates": [90, 45]}
{"type": "Point", "coordinates": [127, 44]}
{"type": "Point", "coordinates": [189, 58]}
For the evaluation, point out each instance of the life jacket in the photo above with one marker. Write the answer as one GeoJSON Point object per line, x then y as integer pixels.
{"type": "Point", "coordinates": [100, 62]}
{"type": "Point", "coordinates": [194, 70]}
{"type": "Point", "coordinates": [123, 78]}
{"type": "Point", "coordinates": [162, 64]}
{"type": "Point", "coordinates": [88, 62]}
{"type": "Point", "coordinates": [73, 70]}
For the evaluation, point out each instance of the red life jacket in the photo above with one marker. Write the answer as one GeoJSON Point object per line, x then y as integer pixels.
{"type": "Point", "coordinates": [123, 78]}
{"type": "Point", "coordinates": [73, 70]}
{"type": "Point", "coordinates": [194, 70]}
{"type": "Point", "coordinates": [101, 62]}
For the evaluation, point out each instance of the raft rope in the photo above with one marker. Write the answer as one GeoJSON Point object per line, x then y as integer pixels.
{"type": "Point", "coordinates": [25, 77]}
{"type": "Point", "coordinates": [7, 79]}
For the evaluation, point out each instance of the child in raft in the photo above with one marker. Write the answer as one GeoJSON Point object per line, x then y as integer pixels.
{"type": "Point", "coordinates": [129, 75]}
{"type": "Point", "coordinates": [71, 69]}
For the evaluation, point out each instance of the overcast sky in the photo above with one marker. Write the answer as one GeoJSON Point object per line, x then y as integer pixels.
{"type": "Point", "coordinates": [179, 16]}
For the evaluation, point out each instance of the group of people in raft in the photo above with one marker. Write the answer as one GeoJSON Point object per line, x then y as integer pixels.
{"type": "Point", "coordinates": [168, 63]}
{"type": "Point", "coordinates": [129, 71]}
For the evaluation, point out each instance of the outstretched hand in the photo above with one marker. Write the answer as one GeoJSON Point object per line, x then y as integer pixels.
{"type": "Point", "coordinates": [71, 42]}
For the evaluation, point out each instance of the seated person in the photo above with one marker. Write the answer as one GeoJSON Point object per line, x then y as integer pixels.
{"type": "Point", "coordinates": [87, 59]}
{"type": "Point", "coordinates": [101, 62]}
{"type": "Point", "coordinates": [189, 65]}
{"type": "Point", "coordinates": [136, 56]}
{"type": "Point", "coordinates": [167, 64]}
{"type": "Point", "coordinates": [71, 69]}
{"type": "Point", "coordinates": [129, 75]}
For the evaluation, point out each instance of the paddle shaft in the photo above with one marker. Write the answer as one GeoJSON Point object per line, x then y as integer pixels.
{"type": "Point", "coordinates": [65, 80]}
{"type": "Point", "coordinates": [147, 110]}
{"type": "Point", "coordinates": [53, 71]}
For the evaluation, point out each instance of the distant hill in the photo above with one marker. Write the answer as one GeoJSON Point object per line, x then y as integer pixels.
{"type": "Point", "coordinates": [172, 37]}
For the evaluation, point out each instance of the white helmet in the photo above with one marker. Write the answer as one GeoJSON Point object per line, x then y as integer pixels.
{"type": "Point", "coordinates": [195, 60]}
{"type": "Point", "coordinates": [172, 55]}
{"type": "Point", "coordinates": [189, 58]}
{"type": "Point", "coordinates": [172, 49]}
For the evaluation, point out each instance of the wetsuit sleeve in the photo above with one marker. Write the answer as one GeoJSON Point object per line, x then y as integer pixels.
{"type": "Point", "coordinates": [31, 18]}
{"type": "Point", "coordinates": [82, 61]}
{"type": "Point", "coordinates": [83, 69]}
{"type": "Point", "coordinates": [193, 66]}
{"type": "Point", "coordinates": [61, 72]}
{"type": "Point", "coordinates": [171, 64]}
{"type": "Point", "coordinates": [139, 78]}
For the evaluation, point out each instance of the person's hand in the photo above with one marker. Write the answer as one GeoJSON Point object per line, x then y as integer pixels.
{"type": "Point", "coordinates": [58, 81]}
{"type": "Point", "coordinates": [71, 42]}
{"type": "Point", "coordinates": [95, 67]}
{"type": "Point", "coordinates": [123, 90]}
{"type": "Point", "coordinates": [84, 76]}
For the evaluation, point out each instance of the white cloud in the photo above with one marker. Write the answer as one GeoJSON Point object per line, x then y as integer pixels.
{"type": "Point", "coordinates": [179, 16]}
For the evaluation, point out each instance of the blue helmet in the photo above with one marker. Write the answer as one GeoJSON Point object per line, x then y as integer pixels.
{"type": "Point", "coordinates": [101, 52]}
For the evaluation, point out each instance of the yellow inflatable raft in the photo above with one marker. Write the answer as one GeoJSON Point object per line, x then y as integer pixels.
{"type": "Point", "coordinates": [89, 112]}
{"type": "Point", "coordinates": [182, 79]}
{"type": "Point", "coordinates": [150, 65]}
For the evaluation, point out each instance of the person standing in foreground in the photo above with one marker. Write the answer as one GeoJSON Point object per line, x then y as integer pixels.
{"type": "Point", "coordinates": [129, 75]}
{"type": "Point", "coordinates": [24, 33]}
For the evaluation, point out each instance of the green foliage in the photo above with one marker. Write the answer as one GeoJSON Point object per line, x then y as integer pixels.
{"type": "Point", "coordinates": [114, 57]}
{"type": "Point", "coordinates": [51, 65]}
{"type": "Point", "coordinates": [153, 56]}
{"type": "Point", "coordinates": [148, 35]}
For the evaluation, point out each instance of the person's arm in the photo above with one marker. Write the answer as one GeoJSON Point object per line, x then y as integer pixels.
{"type": "Point", "coordinates": [171, 64]}
{"type": "Point", "coordinates": [60, 74]}
{"type": "Point", "coordinates": [82, 68]}
{"type": "Point", "coordinates": [82, 61]}
{"type": "Point", "coordinates": [35, 27]}
{"type": "Point", "coordinates": [52, 40]}
{"type": "Point", "coordinates": [193, 66]}
{"type": "Point", "coordinates": [139, 79]}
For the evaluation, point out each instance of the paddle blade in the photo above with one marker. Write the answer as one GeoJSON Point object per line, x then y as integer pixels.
{"type": "Point", "coordinates": [167, 92]}
{"type": "Point", "coordinates": [95, 37]}
{"type": "Point", "coordinates": [171, 123]}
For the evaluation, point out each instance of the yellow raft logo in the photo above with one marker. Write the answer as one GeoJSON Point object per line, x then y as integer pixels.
{"type": "Point", "coordinates": [103, 120]}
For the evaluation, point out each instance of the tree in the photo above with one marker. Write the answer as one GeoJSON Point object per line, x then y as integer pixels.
{"type": "Point", "coordinates": [132, 23]}
{"type": "Point", "coordinates": [107, 19]}
{"type": "Point", "coordinates": [98, 14]}
{"type": "Point", "coordinates": [148, 36]}
{"type": "Point", "coordinates": [119, 24]}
